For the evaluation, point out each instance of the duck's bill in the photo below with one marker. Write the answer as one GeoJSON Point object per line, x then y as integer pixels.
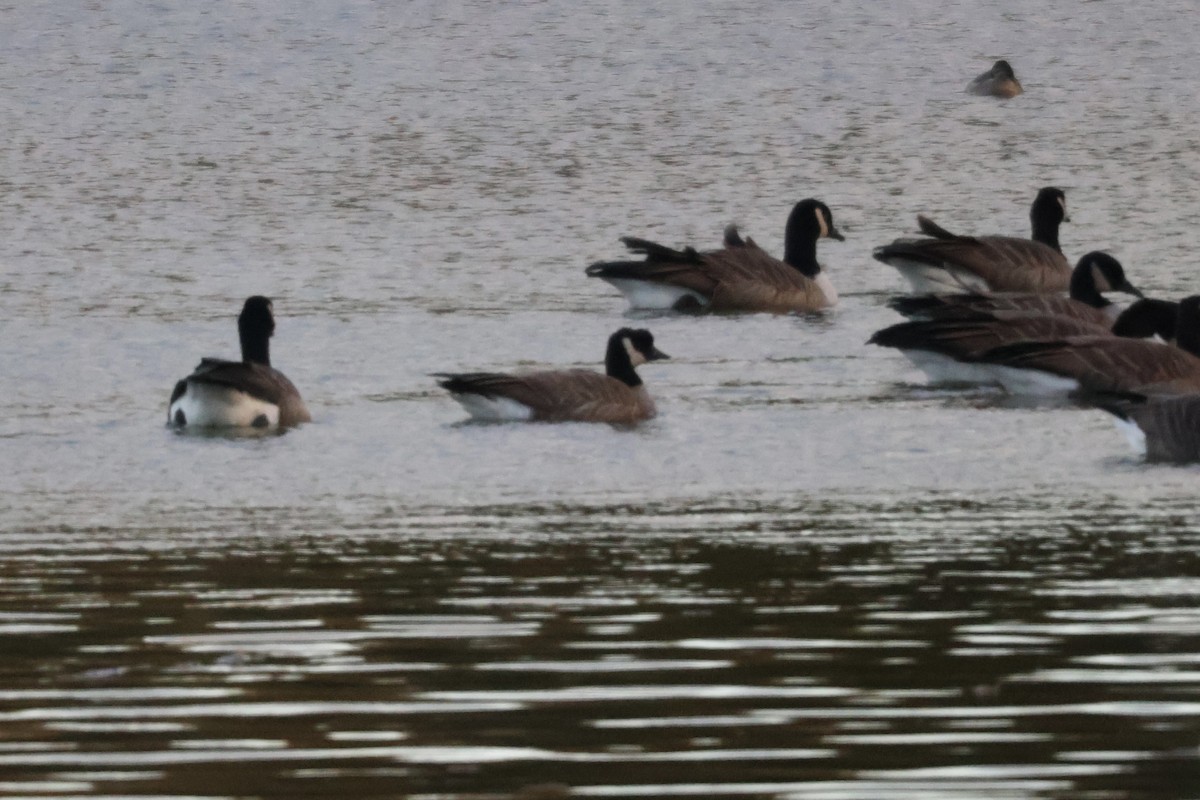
{"type": "Point", "coordinates": [1129, 288]}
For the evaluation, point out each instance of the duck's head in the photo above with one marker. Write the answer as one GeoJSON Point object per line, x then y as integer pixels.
{"type": "Point", "coordinates": [1104, 273]}
{"type": "Point", "coordinates": [999, 81]}
{"type": "Point", "coordinates": [1050, 206]}
{"type": "Point", "coordinates": [638, 345]}
{"type": "Point", "coordinates": [812, 219]}
{"type": "Point", "coordinates": [258, 316]}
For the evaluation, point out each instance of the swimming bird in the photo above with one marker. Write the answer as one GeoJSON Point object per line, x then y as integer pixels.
{"type": "Point", "coordinates": [1104, 363]}
{"type": "Point", "coordinates": [1160, 428]}
{"type": "Point", "coordinates": [741, 276]}
{"type": "Point", "coordinates": [999, 81]}
{"type": "Point", "coordinates": [240, 394]}
{"type": "Point", "coordinates": [946, 262]}
{"type": "Point", "coordinates": [579, 395]}
{"type": "Point", "coordinates": [957, 346]}
{"type": "Point", "coordinates": [1094, 274]}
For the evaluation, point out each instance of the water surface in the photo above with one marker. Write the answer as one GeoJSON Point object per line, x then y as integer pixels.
{"type": "Point", "coordinates": [812, 576]}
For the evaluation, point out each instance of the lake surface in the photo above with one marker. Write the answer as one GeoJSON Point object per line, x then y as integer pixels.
{"type": "Point", "coordinates": [812, 576]}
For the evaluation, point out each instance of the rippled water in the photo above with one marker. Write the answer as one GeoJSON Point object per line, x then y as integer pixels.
{"type": "Point", "coordinates": [810, 577]}
{"type": "Point", "coordinates": [811, 649]}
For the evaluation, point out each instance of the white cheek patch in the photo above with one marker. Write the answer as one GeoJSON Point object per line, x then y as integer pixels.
{"type": "Point", "coordinates": [1102, 284]}
{"type": "Point", "coordinates": [1062, 201]}
{"type": "Point", "coordinates": [635, 356]}
{"type": "Point", "coordinates": [821, 223]}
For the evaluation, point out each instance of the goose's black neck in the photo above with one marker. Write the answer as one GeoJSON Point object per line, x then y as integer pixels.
{"type": "Point", "coordinates": [1187, 329]}
{"type": "Point", "coordinates": [1046, 232]}
{"type": "Point", "coordinates": [800, 251]}
{"type": "Point", "coordinates": [256, 323]}
{"type": "Point", "coordinates": [618, 365]}
{"type": "Point", "coordinates": [1083, 288]}
{"type": "Point", "coordinates": [1046, 215]}
{"type": "Point", "coordinates": [256, 347]}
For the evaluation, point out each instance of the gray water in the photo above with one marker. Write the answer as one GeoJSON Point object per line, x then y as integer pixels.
{"type": "Point", "coordinates": [812, 576]}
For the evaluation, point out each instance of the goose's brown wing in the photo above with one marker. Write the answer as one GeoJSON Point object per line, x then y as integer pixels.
{"type": "Point", "coordinates": [1107, 363]}
{"type": "Point", "coordinates": [1171, 426]}
{"type": "Point", "coordinates": [966, 337]}
{"type": "Point", "coordinates": [257, 380]}
{"type": "Point", "coordinates": [747, 278]}
{"type": "Point", "coordinates": [1006, 263]}
{"type": "Point", "coordinates": [1047, 305]}
{"type": "Point", "coordinates": [661, 265]}
{"type": "Point", "coordinates": [561, 395]}
{"type": "Point", "coordinates": [740, 277]}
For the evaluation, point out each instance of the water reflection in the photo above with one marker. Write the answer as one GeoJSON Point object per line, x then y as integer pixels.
{"type": "Point", "coordinates": [754, 649]}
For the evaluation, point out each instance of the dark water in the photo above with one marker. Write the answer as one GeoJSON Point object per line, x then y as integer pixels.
{"type": "Point", "coordinates": [945, 648]}
{"type": "Point", "coordinates": [812, 576]}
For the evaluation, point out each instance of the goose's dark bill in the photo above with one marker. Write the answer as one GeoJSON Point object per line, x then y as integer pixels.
{"type": "Point", "coordinates": [640, 346]}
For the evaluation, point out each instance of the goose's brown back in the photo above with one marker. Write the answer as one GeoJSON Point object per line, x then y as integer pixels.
{"type": "Point", "coordinates": [1171, 426]}
{"type": "Point", "coordinates": [747, 278]}
{"type": "Point", "coordinates": [1108, 363]}
{"type": "Point", "coordinates": [1049, 305]}
{"type": "Point", "coordinates": [563, 395]}
{"type": "Point", "coordinates": [1005, 263]}
{"type": "Point", "coordinates": [739, 277]}
{"type": "Point", "coordinates": [966, 338]}
{"type": "Point", "coordinates": [257, 380]}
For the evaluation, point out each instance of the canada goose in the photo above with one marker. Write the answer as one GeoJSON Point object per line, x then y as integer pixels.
{"type": "Point", "coordinates": [1161, 428]}
{"type": "Point", "coordinates": [578, 395]}
{"type": "Point", "coordinates": [1095, 273]}
{"type": "Point", "coordinates": [999, 81]}
{"type": "Point", "coordinates": [955, 347]}
{"type": "Point", "coordinates": [240, 394]}
{"type": "Point", "coordinates": [946, 350]}
{"type": "Point", "coordinates": [945, 262]}
{"type": "Point", "coordinates": [739, 277]}
{"type": "Point", "coordinates": [1105, 363]}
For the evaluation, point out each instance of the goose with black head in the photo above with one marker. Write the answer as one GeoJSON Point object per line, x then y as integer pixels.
{"type": "Point", "coordinates": [617, 396]}
{"type": "Point", "coordinates": [946, 262]}
{"type": "Point", "coordinates": [240, 394]}
{"type": "Point", "coordinates": [739, 277]}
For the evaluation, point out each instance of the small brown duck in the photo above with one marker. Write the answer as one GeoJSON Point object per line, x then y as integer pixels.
{"type": "Point", "coordinates": [999, 81]}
